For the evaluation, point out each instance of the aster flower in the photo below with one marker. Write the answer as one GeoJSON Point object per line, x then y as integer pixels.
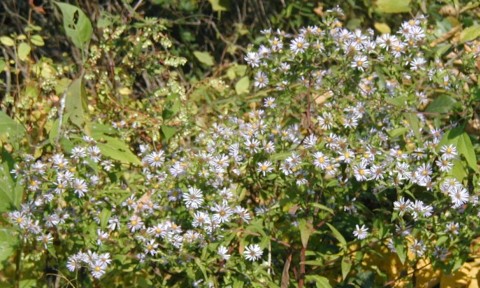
{"type": "Point", "coordinates": [193, 198]}
{"type": "Point", "coordinates": [298, 45]}
{"type": "Point", "coordinates": [223, 253]}
{"type": "Point", "coordinates": [154, 159]}
{"type": "Point", "coordinates": [252, 252]}
{"type": "Point", "coordinates": [264, 167]}
{"type": "Point", "coordinates": [261, 80]}
{"type": "Point", "coordinates": [360, 232]}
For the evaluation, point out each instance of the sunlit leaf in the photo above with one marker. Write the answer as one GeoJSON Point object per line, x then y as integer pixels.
{"type": "Point", "coordinates": [337, 235]}
{"type": "Point", "coordinates": [76, 24]}
{"type": "Point", "coordinates": [204, 57]}
{"type": "Point", "coordinates": [242, 86]}
{"type": "Point", "coordinates": [23, 51]}
{"type": "Point", "coordinates": [469, 34]}
{"type": "Point", "coordinates": [392, 6]}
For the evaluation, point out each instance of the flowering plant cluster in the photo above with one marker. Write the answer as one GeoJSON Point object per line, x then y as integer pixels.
{"type": "Point", "coordinates": [358, 142]}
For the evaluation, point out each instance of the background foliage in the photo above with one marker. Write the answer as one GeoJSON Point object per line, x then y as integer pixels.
{"type": "Point", "coordinates": [159, 73]}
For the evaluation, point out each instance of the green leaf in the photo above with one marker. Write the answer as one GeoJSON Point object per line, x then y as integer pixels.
{"type": "Point", "coordinates": [75, 103]}
{"type": "Point", "coordinates": [450, 137]}
{"type": "Point", "coordinates": [168, 132]}
{"type": "Point", "coordinates": [23, 51]}
{"type": "Point", "coordinates": [306, 230]}
{"type": "Point", "coordinates": [10, 194]}
{"type": "Point", "coordinates": [337, 235]}
{"type": "Point", "coordinates": [116, 149]}
{"type": "Point", "coordinates": [76, 24]}
{"type": "Point", "coordinates": [399, 101]}
{"type": "Point", "coordinates": [397, 132]}
{"type": "Point", "coordinates": [7, 41]}
{"type": "Point", "coordinates": [346, 266]}
{"type": "Point", "coordinates": [37, 40]}
{"type": "Point", "coordinates": [7, 244]}
{"type": "Point", "coordinates": [28, 283]}
{"type": "Point", "coordinates": [458, 171]}
{"type": "Point", "coordinates": [465, 147]}
{"type": "Point", "coordinates": [204, 57]}
{"type": "Point", "coordinates": [322, 207]}
{"type": "Point", "coordinates": [441, 240]}
{"type": "Point", "coordinates": [441, 104]}
{"type": "Point", "coordinates": [104, 217]}
{"type": "Point", "coordinates": [320, 281]}
{"type": "Point", "coordinates": [382, 27]}
{"type": "Point", "coordinates": [412, 119]}
{"type": "Point", "coordinates": [470, 33]}
{"type": "Point", "coordinates": [400, 249]}
{"type": "Point", "coordinates": [242, 86]}
{"type": "Point", "coordinates": [9, 128]}
{"type": "Point", "coordinates": [99, 130]}
{"type": "Point", "coordinates": [216, 6]}
{"type": "Point", "coordinates": [392, 6]}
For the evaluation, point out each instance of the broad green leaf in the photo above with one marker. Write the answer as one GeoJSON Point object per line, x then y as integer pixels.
{"type": "Point", "coordinates": [470, 33]}
{"type": "Point", "coordinates": [7, 41]}
{"type": "Point", "coordinates": [37, 40]}
{"type": "Point", "coordinates": [450, 137]}
{"type": "Point", "coordinates": [28, 283]}
{"type": "Point", "coordinates": [465, 147]}
{"type": "Point", "coordinates": [99, 130]}
{"type": "Point", "coordinates": [10, 192]}
{"type": "Point", "coordinates": [306, 230]}
{"type": "Point", "coordinates": [459, 170]}
{"type": "Point", "coordinates": [400, 249]}
{"type": "Point", "coordinates": [346, 266]}
{"type": "Point", "coordinates": [104, 217]}
{"type": "Point", "coordinates": [204, 57]}
{"type": "Point", "coordinates": [442, 49]}
{"type": "Point", "coordinates": [76, 24]}
{"type": "Point", "coordinates": [75, 103]}
{"type": "Point", "coordinates": [412, 119]}
{"type": "Point", "coordinates": [382, 27]}
{"type": "Point", "coordinates": [116, 149]}
{"type": "Point", "coordinates": [9, 128]}
{"type": "Point", "coordinates": [168, 131]}
{"type": "Point", "coordinates": [216, 5]}
{"type": "Point", "coordinates": [322, 207]}
{"type": "Point", "coordinates": [397, 132]}
{"type": "Point", "coordinates": [7, 244]}
{"type": "Point", "coordinates": [392, 6]}
{"type": "Point", "coordinates": [337, 235]}
{"type": "Point", "coordinates": [320, 281]}
{"type": "Point", "coordinates": [441, 240]}
{"type": "Point", "coordinates": [441, 104]}
{"type": "Point", "coordinates": [397, 101]}
{"type": "Point", "coordinates": [242, 86]}
{"type": "Point", "coordinates": [23, 51]}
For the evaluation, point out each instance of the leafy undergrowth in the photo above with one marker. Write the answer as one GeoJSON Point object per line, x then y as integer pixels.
{"type": "Point", "coordinates": [332, 157]}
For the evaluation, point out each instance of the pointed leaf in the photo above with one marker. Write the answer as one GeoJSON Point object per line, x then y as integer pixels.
{"type": "Point", "coordinates": [75, 103]}
{"type": "Point", "coordinates": [392, 6]}
{"type": "Point", "coordinates": [204, 57]}
{"type": "Point", "coordinates": [465, 147]}
{"type": "Point", "coordinates": [441, 104]}
{"type": "Point", "coordinates": [470, 33]}
{"type": "Point", "coordinates": [23, 51]}
{"type": "Point", "coordinates": [168, 131]}
{"type": "Point", "coordinates": [242, 86]}
{"type": "Point", "coordinates": [116, 149]}
{"type": "Point", "coordinates": [306, 230]}
{"type": "Point", "coordinates": [337, 235]}
{"type": "Point", "coordinates": [76, 24]}
{"type": "Point", "coordinates": [346, 266]}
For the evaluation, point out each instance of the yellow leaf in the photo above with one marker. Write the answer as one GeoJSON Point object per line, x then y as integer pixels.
{"type": "Point", "coordinates": [382, 28]}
